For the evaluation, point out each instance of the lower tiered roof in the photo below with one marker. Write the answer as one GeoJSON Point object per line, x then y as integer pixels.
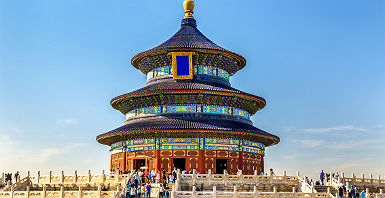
{"type": "Point", "coordinates": [187, 125]}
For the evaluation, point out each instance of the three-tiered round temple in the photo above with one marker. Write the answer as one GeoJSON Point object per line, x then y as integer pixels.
{"type": "Point", "coordinates": [188, 116]}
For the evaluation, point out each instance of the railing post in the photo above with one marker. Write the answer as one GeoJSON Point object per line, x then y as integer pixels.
{"type": "Point", "coordinates": [80, 193]}
{"type": "Point", "coordinates": [28, 191]}
{"type": "Point", "coordinates": [28, 174]}
{"type": "Point", "coordinates": [99, 191]}
{"type": "Point", "coordinates": [194, 177]}
{"type": "Point", "coordinates": [353, 179]}
{"type": "Point", "coordinates": [214, 191]}
{"type": "Point", "coordinates": [50, 176]}
{"type": "Point", "coordinates": [371, 179]}
{"type": "Point", "coordinates": [209, 176]}
{"type": "Point", "coordinates": [12, 191]}
{"type": "Point", "coordinates": [90, 176]}
{"type": "Point", "coordinates": [62, 177]}
{"type": "Point", "coordinates": [117, 175]}
{"type": "Point", "coordinates": [44, 191]}
{"type": "Point", "coordinates": [38, 176]}
{"type": "Point", "coordinates": [173, 193]}
{"type": "Point", "coordinates": [255, 173]}
{"type": "Point", "coordinates": [235, 192]}
{"type": "Point", "coordinates": [379, 180]}
{"type": "Point", "coordinates": [298, 174]}
{"type": "Point", "coordinates": [255, 189]}
{"type": "Point", "coordinates": [367, 191]}
{"type": "Point", "coordinates": [343, 177]}
{"type": "Point", "coordinates": [103, 177]}
{"type": "Point", "coordinates": [75, 179]}
{"type": "Point", "coordinates": [62, 192]}
{"type": "Point", "coordinates": [328, 190]}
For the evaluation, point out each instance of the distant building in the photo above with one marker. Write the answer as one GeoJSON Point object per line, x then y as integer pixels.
{"type": "Point", "coordinates": [188, 116]}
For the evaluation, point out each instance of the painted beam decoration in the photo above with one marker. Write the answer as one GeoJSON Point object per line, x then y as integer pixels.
{"type": "Point", "coordinates": [182, 66]}
{"type": "Point", "coordinates": [189, 144]}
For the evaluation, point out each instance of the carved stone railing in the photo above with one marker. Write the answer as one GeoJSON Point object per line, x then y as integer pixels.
{"type": "Point", "coordinates": [59, 194]}
{"type": "Point", "coordinates": [235, 194]}
{"type": "Point", "coordinates": [226, 179]}
{"type": "Point", "coordinates": [366, 183]}
{"type": "Point", "coordinates": [77, 179]}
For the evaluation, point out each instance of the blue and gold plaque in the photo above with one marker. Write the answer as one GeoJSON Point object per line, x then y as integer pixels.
{"type": "Point", "coordinates": [182, 67]}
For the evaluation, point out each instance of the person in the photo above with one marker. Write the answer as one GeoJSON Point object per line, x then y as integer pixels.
{"type": "Point", "coordinates": [340, 192]}
{"type": "Point", "coordinates": [362, 194]}
{"type": "Point", "coordinates": [157, 178]}
{"type": "Point", "coordinates": [136, 180]}
{"type": "Point", "coordinates": [133, 192]}
{"type": "Point", "coordinates": [272, 172]}
{"type": "Point", "coordinates": [126, 191]}
{"type": "Point", "coordinates": [148, 190]}
{"type": "Point", "coordinates": [322, 177]}
{"type": "Point", "coordinates": [161, 190]}
{"type": "Point", "coordinates": [171, 178]}
{"type": "Point", "coordinates": [167, 192]}
{"type": "Point", "coordinates": [138, 191]}
{"type": "Point", "coordinates": [143, 190]}
{"type": "Point", "coordinates": [17, 176]}
{"type": "Point", "coordinates": [174, 173]}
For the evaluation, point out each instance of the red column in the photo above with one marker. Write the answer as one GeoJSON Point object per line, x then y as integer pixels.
{"type": "Point", "coordinates": [240, 162]}
{"type": "Point", "coordinates": [124, 161]}
{"type": "Point", "coordinates": [157, 160]}
{"type": "Point", "coordinates": [201, 161]}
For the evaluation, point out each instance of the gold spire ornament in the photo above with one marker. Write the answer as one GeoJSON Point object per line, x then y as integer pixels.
{"type": "Point", "coordinates": [188, 8]}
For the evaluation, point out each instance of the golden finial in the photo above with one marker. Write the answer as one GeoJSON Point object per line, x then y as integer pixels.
{"type": "Point", "coordinates": [188, 8]}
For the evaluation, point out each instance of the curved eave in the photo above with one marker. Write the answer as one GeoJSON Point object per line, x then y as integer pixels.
{"type": "Point", "coordinates": [136, 59]}
{"type": "Point", "coordinates": [106, 138]}
{"type": "Point", "coordinates": [128, 96]}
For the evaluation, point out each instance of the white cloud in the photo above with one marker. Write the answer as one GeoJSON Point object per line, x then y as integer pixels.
{"type": "Point", "coordinates": [311, 143]}
{"type": "Point", "coordinates": [335, 128]}
{"type": "Point", "coordinates": [66, 122]}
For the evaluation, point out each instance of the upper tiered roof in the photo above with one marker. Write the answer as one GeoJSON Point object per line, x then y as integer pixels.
{"type": "Point", "coordinates": [189, 38]}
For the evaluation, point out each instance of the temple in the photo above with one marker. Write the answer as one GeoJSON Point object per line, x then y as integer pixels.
{"type": "Point", "coordinates": [188, 116]}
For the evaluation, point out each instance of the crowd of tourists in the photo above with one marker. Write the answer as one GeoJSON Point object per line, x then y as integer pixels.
{"type": "Point", "coordinates": [8, 177]}
{"type": "Point", "coordinates": [352, 192]}
{"type": "Point", "coordinates": [139, 182]}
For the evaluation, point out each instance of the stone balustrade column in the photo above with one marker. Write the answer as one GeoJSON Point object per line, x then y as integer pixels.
{"type": "Point", "coordinates": [353, 179]}
{"type": "Point", "coordinates": [117, 175]}
{"type": "Point", "coordinates": [371, 179]}
{"type": "Point", "coordinates": [379, 181]}
{"type": "Point", "coordinates": [194, 177]}
{"type": "Point", "coordinates": [62, 192]}
{"type": "Point", "coordinates": [80, 193]}
{"type": "Point", "coordinates": [38, 176]}
{"type": "Point", "coordinates": [173, 192]}
{"type": "Point", "coordinates": [50, 177]}
{"type": "Point", "coordinates": [298, 174]}
{"type": "Point", "coordinates": [28, 191]}
{"type": "Point", "coordinates": [75, 179]}
{"type": "Point", "coordinates": [330, 178]}
{"type": "Point", "coordinates": [12, 191]}
{"type": "Point", "coordinates": [103, 177]}
{"type": "Point", "coordinates": [343, 177]}
{"type": "Point", "coordinates": [225, 178]}
{"type": "Point", "coordinates": [28, 174]}
{"type": "Point", "coordinates": [293, 190]}
{"type": "Point", "coordinates": [99, 191]}
{"type": "Point", "coordinates": [44, 191]}
{"type": "Point", "coordinates": [284, 177]}
{"type": "Point", "coordinates": [328, 191]}
{"type": "Point", "coordinates": [367, 191]}
{"type": "Point", "coordinates": [255, 189]}
{"type": "Point", "coordinates": [209, 176]}
{"type": "Point", "coordinates": [89, 176]}
{"type": "Point", "coordinates": [235, 193]}
{"type": "Point", "coordinates": [214, 191]}
{"type": "Point", "coordinates": [62, 177]}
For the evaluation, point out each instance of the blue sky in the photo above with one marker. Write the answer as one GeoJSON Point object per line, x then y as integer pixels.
{"type": "Point", "coordinates": [319, 64]}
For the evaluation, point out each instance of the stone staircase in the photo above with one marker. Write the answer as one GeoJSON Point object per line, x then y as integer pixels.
{"type": "Point", "coordinates": [326, 189]}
